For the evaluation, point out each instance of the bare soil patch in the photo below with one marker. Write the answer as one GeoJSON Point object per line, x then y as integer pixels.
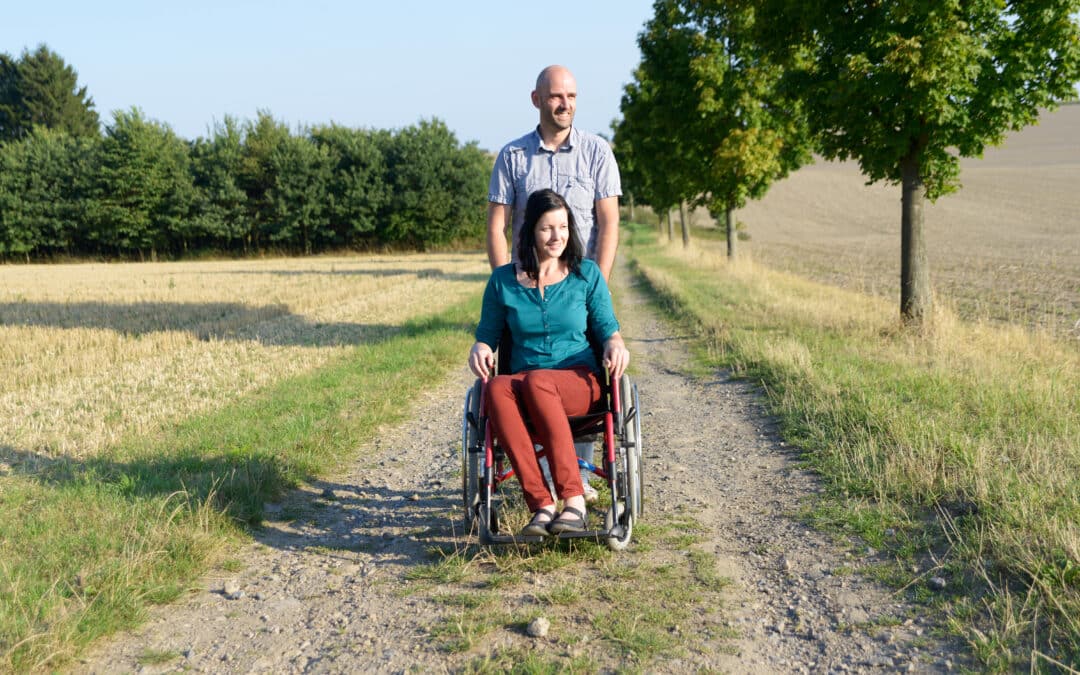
{"type": "Point", "coordinates": [331, 585]}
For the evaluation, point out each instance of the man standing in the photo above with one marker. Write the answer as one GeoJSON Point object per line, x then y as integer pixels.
{"type": "Point", "coordinates": [578, 165]}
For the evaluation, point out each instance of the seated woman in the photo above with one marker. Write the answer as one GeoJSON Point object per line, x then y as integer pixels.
{"type": "Point", "coordinates": [551, 300]}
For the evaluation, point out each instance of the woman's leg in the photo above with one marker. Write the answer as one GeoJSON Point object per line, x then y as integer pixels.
{"type": "Point", "coordinates": [504, 402]}
{"type": "Point", "coordinates": [550, 396]}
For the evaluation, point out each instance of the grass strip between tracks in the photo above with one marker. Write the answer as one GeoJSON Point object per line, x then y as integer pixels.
{"type": "Point", "coordinates": [954, 450]}
{"type": "Point", "coordinates": [86, 547]}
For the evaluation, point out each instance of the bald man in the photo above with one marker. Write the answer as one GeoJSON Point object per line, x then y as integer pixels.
{"type": "Point", "coordinates": [578, 165]}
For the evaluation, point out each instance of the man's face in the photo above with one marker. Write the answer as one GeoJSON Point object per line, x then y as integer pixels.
{"type": "Point", "coordinates": [557, 101]}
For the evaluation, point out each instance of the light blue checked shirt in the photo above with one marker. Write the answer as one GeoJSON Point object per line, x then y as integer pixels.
{"type": "Point", "coordinates": [583, 170]}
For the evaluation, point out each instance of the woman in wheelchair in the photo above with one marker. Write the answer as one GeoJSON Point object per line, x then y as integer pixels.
{"type": "Point", "coordinates": [552, 300]}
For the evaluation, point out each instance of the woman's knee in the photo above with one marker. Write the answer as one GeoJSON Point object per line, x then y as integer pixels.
{"type": "Point", "coordinates": [539, 384]}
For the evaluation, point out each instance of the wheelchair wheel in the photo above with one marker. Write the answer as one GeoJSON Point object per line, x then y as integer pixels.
{"type": "Point", "coordinates": [621, 513]}
{"type": "Point", "coordinates": [488, 521]}
{"type": "Point", "coordinates": [472, 445]}
{"type": "Point", "coordinates": [632, 414]}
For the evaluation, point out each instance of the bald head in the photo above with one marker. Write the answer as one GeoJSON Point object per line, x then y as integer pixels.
{"type": "Point", "coordinates": [551, 74]}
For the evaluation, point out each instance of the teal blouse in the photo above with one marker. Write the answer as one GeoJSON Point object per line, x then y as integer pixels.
{"type": "Point", "coordinates": [548, 332]}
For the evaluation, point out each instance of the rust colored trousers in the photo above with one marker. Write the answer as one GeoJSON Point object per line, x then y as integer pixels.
{"type": "Point", "coordinates": [547, 398]}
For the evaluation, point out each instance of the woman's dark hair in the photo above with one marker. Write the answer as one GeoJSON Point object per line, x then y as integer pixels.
{"type": "Point", "coordinates": [540, 202]}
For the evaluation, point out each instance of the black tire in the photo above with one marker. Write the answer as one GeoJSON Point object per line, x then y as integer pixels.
{"type": "Point", "coordinates": [631, 437]}
{"type": "Point", "coordinates": [637, 479]}
{"type": "Point", "coordinates": [488, 524]}
{"type": "Point", "coordinates": [627, 521]}
{"type": "Point", "coordinates": [472, 445]}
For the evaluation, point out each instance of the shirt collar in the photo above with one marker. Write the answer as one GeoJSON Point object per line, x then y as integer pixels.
{"type": "Point", "coordinates": [569, 144]}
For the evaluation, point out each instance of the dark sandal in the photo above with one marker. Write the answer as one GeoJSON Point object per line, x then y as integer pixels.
{"type": "Point", "coordinates": [538, 528]}
{"type": "Point", "coordinates": [575, 524]}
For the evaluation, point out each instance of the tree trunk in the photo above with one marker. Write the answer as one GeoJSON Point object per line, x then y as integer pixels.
{"type": "Point", "coordinates": [914, 270]}
{"type": "Point", "coordinates": [685, 225]}
{"type": "Point", "coordinates": [631, 200]}
{"type": "Point", "coordinates": [670, 228]}
{"type": "Point", "coordinates": [729, 216]}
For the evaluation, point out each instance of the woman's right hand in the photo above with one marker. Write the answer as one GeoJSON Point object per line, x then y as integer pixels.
{"type": "Point", "coordinates": [481, 360]}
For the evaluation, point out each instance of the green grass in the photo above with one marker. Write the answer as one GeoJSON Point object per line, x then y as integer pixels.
{"type": "Point", "coordinates": [87, 546]}
{"type": "Point", "coordinates": [961, 441]}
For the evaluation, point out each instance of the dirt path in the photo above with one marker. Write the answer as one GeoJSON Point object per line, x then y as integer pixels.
{"type": "Point", "coordinates": [326, 586]}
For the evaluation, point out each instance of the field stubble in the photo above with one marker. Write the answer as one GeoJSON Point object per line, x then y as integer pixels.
{"type": "Point", "coordinates": [1004, 248]}
{"type": "Point", "coordinates": [92, 353]}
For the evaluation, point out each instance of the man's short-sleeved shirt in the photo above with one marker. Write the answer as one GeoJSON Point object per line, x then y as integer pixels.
{"type": "Point", "coordinates": [583, 170]}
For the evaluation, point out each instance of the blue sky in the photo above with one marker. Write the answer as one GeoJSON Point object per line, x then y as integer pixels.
{"type": "Point", "coordinates": [383, 64]}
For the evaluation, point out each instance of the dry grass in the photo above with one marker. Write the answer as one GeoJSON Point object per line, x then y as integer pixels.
{"type": "Point", "coordinates": [1006, 247]}
{"type": "Point", "coordinates": [969, 429]}
{"type": "Point", "coordinates": [94, 352]}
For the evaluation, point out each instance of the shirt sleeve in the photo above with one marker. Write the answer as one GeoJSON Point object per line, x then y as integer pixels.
{"type": "Point", "coordinates": [492, 315]}
{"type": "Point", "coordinates": [501, 185]}
{"type": "Point", "coordinates": [602, 322]}
{"type": "Point", "coordinates": [608, 181]}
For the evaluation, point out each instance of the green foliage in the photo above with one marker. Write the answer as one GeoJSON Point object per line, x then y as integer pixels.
{"type": "Point", "coordinates": [220, 212]}
{"type": "Point", "coordinates": [142, 192]}
{"type": "Point", "coordinates": [437, 191]}
{"type": "Point", "coordinates": [298, 212]}
{"type": "Point", "coordinates": [358, 191]}
{"type": "Point", "coordinates": [933, 81]}
{"type": "Point", "coordinates": [39, 89]}
{"type": "Point", "coordinates": [705, 111]}
{"type": "Point", "coordinates": [43, 190]}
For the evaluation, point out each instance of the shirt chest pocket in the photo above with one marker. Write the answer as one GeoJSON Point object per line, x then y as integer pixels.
{"type": "Point", "coordinates": [579, 193]}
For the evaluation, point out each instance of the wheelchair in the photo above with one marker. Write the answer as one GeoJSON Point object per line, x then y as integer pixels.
{"type": "Point", "coordinates": [485, 466]}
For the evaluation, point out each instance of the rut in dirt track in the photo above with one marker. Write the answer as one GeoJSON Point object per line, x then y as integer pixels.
{"type": "Point", "coordinates": [324, 587]}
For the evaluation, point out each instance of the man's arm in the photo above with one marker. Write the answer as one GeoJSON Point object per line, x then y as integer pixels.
{"type": "Point", "coordinates": [497, 220]}
{"type": "Point", "coordinates": [607, 234]}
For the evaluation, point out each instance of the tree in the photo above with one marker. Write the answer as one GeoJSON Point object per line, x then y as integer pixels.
{"type": "Point", "coordinates": [908, 87]}
{"type": "Point", "coordinates": [298, 216]}
{"type": "Point", "coordinates": [143, 193]}
{"type": "Point", "coordinates": [659, 110]}
{"type": "Point", "coordinates": [43, 190]}
{"type": "Point", "coordinates": [220, 213]}
{"type": "Point", "coordinates": [256, 178]}
{"type": "Point", "coordinates": [41, 90]}
{"type": "Point", "coordinates": [358, 192]}
{"type": "Point", "coordinates": [705, 109]}
{"type": "Point", "coordinates": [437, 188]}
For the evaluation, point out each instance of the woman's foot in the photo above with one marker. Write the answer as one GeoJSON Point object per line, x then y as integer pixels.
{"type": "Point", "coordinates": [538, 526]}
{"type": "Point", "coordinates": [572, 518]}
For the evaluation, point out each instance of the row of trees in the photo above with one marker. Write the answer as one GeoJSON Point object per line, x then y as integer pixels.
{"type": "Point", "coordinates": [139, 190]}
{"type": "Point", "coordinates": [732, 95]}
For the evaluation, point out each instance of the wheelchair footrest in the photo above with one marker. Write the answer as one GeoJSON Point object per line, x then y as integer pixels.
{"type": "Point", "coordinates": [616, 532]}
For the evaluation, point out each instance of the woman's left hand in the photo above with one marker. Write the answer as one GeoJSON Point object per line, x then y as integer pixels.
{"type": "Point", "coordinates": [616, 356]}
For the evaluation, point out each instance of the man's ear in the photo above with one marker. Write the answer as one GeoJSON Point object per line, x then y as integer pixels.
{"type": "Point", "coordinates": [535, 99]}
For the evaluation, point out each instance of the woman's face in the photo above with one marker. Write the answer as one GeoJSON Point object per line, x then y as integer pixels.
{"type": "Point", "coordinates": [552, 232]}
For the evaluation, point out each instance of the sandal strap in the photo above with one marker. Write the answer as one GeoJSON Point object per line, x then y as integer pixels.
{"type": "Point", "coordinates": [539, 512]}
{"type": "Point", "coordinates": [571, 509]}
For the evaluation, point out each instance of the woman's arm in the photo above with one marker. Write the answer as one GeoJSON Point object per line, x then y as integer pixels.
{"type": "Point", "coordinates": [481, 359]}
{"type": "Point", "coordinates": [616, 356]}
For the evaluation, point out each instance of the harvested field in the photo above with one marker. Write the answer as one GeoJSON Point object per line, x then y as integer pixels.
{"type": "Point", "coordinates": [1005, 247]}
{"type": "Point", "coordinates": [94, 352]}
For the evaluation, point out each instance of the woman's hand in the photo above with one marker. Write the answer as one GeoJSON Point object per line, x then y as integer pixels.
{"type": "Point", "coordinates": [616, 356]}
{"type": "Point", "coordinates": [481, 360]}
